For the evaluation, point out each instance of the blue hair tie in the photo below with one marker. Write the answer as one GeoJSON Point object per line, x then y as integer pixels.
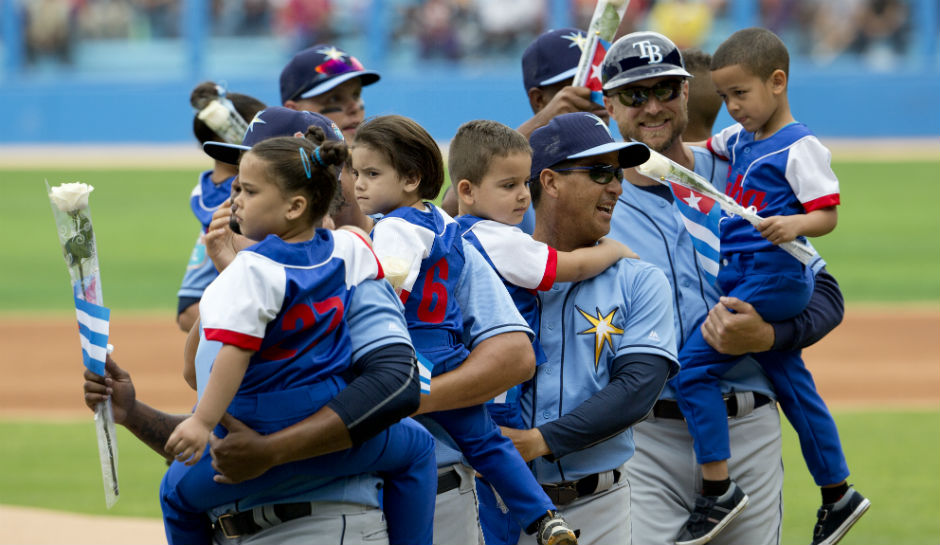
{"type": "Point", "coordinates": [305, 159]}
{"type": "Point", "coordinates": [316, 155]}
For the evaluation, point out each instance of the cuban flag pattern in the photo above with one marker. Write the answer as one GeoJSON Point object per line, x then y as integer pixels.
{"type": "Point", "coordinates": [593, 82]}
{"type": "Point", "coordinates": [701, 216]}
{"type": "Point", "coordinates": [94, 323]}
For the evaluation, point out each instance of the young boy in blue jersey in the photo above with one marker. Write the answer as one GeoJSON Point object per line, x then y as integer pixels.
{"type": "Point", "coordinates": [398, 168]}
{"type": "Point", "coordinates": [215, 185]}
{"type": "Point", "coordinates": [489, 165]}
{"type": "Point", "coordinates": [781, 170]}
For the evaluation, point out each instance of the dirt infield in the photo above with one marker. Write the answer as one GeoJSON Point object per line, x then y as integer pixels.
{"type": "Point", "coordinates": [879, 357]}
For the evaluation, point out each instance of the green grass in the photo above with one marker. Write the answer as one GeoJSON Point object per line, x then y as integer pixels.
{"type": "Point", "coordinates": [886, 247]}
{"type": "Point", "coordinates": [54, 465]}
{"type": "Point", "coordinates": [893, 460]}
{"type": "Point", "coordinates": [892, 455]}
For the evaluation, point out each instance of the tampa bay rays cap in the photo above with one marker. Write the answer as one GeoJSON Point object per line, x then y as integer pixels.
{"type": "Point", "coordinates": [639, 56]}
{"type": "Point", "coordinates": [269, 123]}
{"type": "Point", "coordinates": [577, 135]}
{"type": "Point", "coordinates": [552, 57]}
{"type": "Point", "coordinates": [318, 69]}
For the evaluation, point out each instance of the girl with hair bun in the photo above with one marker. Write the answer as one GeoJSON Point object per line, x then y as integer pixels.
{"type": "Point", "coordinates": [280, 311]}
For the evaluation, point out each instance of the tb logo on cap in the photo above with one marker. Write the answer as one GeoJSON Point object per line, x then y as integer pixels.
{"type": "Point", "coordinates": [649, 51]}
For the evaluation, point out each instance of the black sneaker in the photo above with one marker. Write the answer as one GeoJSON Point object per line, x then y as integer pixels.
{"type": "Point", "coordinates": [553, 530]}
{"type": "Point", "coordinates": [711, 514]}
{"type": "Point", "coordinates": [833, 520]}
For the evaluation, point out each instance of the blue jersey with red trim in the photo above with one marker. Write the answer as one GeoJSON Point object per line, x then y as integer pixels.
{"type": "Point", "coordinates": [287, 302]}
{"type": "Point", "coordinates": [784, 174]}
{"type": "Point", "coordinates": [429, 241]}
{"type": "Point", "coordinates": [207, 196]}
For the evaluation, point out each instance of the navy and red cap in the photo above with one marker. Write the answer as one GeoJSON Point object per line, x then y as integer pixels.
{"type": "Point", "coordinates": [578, 135]}
{"type": "Point", "coordinates": [552, 57]}
{"type": "Point", "coordinates": [318, 69]}
{"type": "Point", "coordinates": [270, 123]}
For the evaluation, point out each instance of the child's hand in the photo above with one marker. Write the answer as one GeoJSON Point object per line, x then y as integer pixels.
{"type": "Point", "coordinates": [221, 242]}
{"type": "Point", "coordinates": [780, 229]}
{"type": "Point", "coordinates": [618, 246]}
{"type": "Point", "coordinates": [188, 441]}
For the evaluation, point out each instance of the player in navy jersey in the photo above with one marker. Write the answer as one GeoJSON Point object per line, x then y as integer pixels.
{"type": "Point", "coordinates": [215, 185]}
{"type": "Point", "coordinates": [398, 168]}
{"type": "Point", "coordinates": [279, 312]}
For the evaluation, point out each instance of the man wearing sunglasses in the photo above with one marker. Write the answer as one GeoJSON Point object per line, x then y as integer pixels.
{"type": "Point", "coordinates": [646, 92]}
{"type": "Point", "coordinates": [327, 80]}
{"type": "Point", "coordinates": [609, 341]}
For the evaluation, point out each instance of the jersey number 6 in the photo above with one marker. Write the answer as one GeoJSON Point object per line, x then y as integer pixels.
{"type": "Point", "coordinates": [433, 306]}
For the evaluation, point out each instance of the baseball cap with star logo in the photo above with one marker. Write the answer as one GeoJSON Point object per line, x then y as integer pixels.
{"type": "Point", "coordinates": [552, 57]}
{"type": "Point", "coordinates": [577, 135]}
{"type": "Point", "coordinates": [269, 123]}
{"type": "Point", "coordinates": [318, 69]}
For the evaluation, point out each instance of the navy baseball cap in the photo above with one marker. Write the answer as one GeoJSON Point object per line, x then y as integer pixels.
{"type": "Point", "coordinates": [577, 135]}
{"type": "Point", "coordinates": [552, 57]}
{"type": "Point", "coordinates": [318, 69]}
{"type": "Point", "coordinates": [269, 123]}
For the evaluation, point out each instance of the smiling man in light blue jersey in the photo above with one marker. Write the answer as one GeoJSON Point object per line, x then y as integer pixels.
{"type": "Point", "coordinates": [646, 89]}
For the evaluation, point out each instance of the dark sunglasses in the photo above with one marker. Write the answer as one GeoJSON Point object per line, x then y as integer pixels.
{"type": "Point", "coordinates": [600, 174]}
{"type": "Point", "coordinates": [664, 91]}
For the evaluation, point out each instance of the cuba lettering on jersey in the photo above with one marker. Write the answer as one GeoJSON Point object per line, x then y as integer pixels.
{"type": "Point", "coordinates": [429, 241]}
{"type": "Point", "coordinates": [207, 196]}
{"type": "Point", "coordinates": [784, 174]}
{"type": "Point", "coordinates": [287, 302]}
{"type": "Point", "coordinates": [585, 326]}
{"type": "Point", "coordinates": [525, 266]}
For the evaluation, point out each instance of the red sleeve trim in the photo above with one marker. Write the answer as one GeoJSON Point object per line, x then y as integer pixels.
{"type": "Point", "coordinates": [404, 296]}
{"type": "Point", "coordinates": [551, 270]}
{"type": "Point", "coordinates": [708, 144]}
{"type": "Point", "coordinates": [821, 202]}
{"type": "Point", "coordinates": [381, 273]}
{"type": "Point", "coordinates": [225, 336]}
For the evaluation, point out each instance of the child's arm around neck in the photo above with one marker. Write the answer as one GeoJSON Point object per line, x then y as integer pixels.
{"type": "Point", "coordinates": [591, 261]}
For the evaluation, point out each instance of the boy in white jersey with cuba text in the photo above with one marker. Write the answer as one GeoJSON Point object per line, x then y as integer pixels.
{"type": "Point", "coordinates": [779, 168]}
{"type": "Point", "coordinates": [489, 165]}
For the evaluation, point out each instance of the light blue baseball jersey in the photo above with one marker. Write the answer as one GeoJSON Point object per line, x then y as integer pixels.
{"type": "Point", "coordinates": [585, 326]}
{"type": "Point", "coordinates": [204, 200]}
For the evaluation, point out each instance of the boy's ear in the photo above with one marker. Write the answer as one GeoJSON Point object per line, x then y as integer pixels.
{"type": "Point", "coordinates": [778, 81]}
{"type": "Point", "coordinates": [465, 191]}
{"type": "Point", "coordinates": [412, 182]}
{"type": "Point", "coordinates": [296, 207]}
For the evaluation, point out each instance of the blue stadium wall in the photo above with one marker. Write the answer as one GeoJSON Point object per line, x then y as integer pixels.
{"type": "Point", "coordinates": [846, 105]}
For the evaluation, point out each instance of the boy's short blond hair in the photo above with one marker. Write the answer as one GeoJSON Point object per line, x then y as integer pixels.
{"type": "Point", "coordinates": [757, 50]}
{"type": "Point", "coordinates": [476, 143]}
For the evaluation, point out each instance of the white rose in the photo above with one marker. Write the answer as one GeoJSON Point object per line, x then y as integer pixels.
{"type": "Point", "coordinates": [215, 115]}
{"type": "Point", "coordinates": [657, 166]}
{"type": "Point", "coordinates": [71, 196]}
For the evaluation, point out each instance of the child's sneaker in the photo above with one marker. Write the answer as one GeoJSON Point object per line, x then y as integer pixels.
{"type": "Point", "coordinates": [710, 516]}
{"type": "Point", "coordinates": [833, 520]}
{"type": "Point", "coordinates": [553, 530]}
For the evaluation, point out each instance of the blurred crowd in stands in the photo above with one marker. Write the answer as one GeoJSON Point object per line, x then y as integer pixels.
{"type": "Point", "coordinates": [878, 31]}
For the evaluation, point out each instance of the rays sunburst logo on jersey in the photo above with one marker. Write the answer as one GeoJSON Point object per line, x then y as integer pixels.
{"type": "Point", "coordinates": [603, 329]}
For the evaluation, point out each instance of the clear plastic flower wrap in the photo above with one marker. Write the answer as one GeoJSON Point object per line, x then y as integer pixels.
{"type": "Point", "coordinates": [662, 169]}
{"type": "Point", "coordinates": [77, 238]}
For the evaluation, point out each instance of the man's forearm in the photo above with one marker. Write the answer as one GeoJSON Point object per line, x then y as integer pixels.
{"type": "Point", "coordinates": [320, 433]}
{"type": "Point", "coordinates": [151, 426]}
{"type": "Point", "coordinates": [823, 313]}
{"type": "Point", "coordinates": [493, 366]}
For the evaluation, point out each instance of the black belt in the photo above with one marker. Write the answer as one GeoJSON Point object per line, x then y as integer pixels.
{"type": "Point", "coordinates": [243, 523]}
{"type": "Point", "coordinates": [448, 481]}
{"type": "Point", "coordinates": [669, 408]}
{"type": "Point", "coordinates": [566, 492]}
